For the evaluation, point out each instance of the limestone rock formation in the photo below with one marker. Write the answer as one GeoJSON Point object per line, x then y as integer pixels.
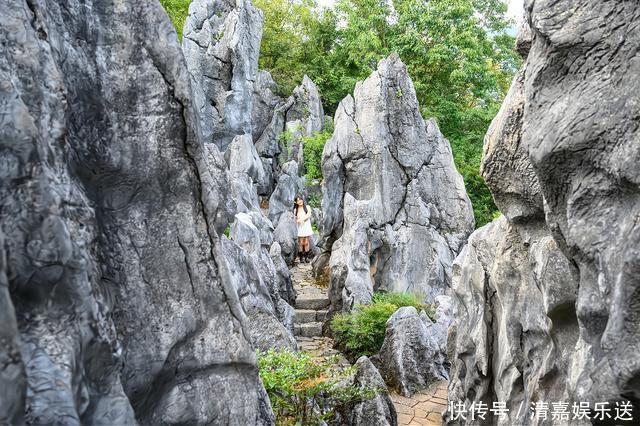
{"type": "Point", "coordinates": [265, 102]}
{"type": "Point", "coordinates": [221, 41]}
{"type": "Point", "coordinates": [257, 282]}
{"type": "Point", "coordinates": [395, 211]}
{"type": "Point", "coordinates": [115, 300]}
{"type": "Point", "coordinates": [413, 354]}
{"type": "Point", "coordinates": [306, 110]}
{"type": "Point", "coordinates": [281, 140]}
{"type": "Point", "coordinates": [547, 301]}
{"type": "Point", "coordinates": [281, 209]}
{"type": "Point", "coordinates": [378, 410]}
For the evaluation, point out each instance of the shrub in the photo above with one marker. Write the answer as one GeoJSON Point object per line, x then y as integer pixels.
{"type": "Point", "coordinates": [313, 200]}
{"type": "Point", "coordinates": [304, 390]}
{"type": "Point", "coordinates": [361, 332]}
{"type": "Point", "coordinates": [313, 147]}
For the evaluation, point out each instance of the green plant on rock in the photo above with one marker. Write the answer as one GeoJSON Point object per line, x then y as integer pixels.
{"type": "Point", "coordinates": [313, 200]}
{"type": "Point", "coordinates": [177, 11]}
{"type": "Point", "coordinates": [304, 390]}
{"type": "Point", "coordinates": [313, 146]}
{"type": "Point", "coordinates": [361, 331]}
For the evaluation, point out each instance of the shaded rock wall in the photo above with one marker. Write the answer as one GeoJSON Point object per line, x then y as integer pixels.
{"type": "Point", "coordinates": [110, 213]}
{"type": "Point", "coordinates": [395, 211]}
{"type": "Point", "coordinates": [547, 296]}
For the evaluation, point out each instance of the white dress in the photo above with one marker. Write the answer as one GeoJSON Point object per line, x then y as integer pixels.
{"type": "Point", "coordinates": [304, 228]}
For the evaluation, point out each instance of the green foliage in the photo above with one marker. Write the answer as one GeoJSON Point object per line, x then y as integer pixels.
{"type": "Point", "coordinates": [313, 147]}
{"type": "Point", "coordinates": [361, 332]}
{"type": "Point", "coordinates": [177, 11]}
{"type": "Point", "coordinates": [313, 200]}
{"type": "Point", "coordinates": [296, 383]}
{"type": "Point", "coordinates": [227, 231]}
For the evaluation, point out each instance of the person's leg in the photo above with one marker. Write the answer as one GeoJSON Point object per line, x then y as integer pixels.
{"type": "Point", "coordinates": [301, 248]}
{"type": "Point", "coordinates": [306, 248]}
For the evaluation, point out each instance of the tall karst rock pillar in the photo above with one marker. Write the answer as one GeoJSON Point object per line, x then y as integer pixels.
{"type": "Point", "coordinates": [547, 296]}
{"type": "Point", "coordinates": [116, 304]}
{"type": "Point", "coordinates": [221, 43]}
{"type": "Point", "coordinates": [395, 210]}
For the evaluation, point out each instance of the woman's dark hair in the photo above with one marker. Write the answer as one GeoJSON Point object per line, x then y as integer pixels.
{"type": "Point", "coordinates": [295, 205]}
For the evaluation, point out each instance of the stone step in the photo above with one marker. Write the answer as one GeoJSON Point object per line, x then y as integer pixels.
{"type": "Point", "coordinates": [310, 329]}
{"type": "Point", "coordinates": [311, 302]}
{"type": "Point", "coordinates": [309, 315]}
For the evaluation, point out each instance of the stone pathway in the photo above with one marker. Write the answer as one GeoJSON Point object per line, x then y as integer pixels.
{"type": "Point", "coordinates": [423, 408]}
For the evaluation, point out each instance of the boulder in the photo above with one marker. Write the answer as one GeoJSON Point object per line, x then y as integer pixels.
{"type": "Point", "coordinates": [395, 211]}
{"type": "Point", "coordinates": [413, 354]}
{"type": "Point", "coordinates": [378, 410]}
{"type": "Point", "coordinates": [581, 129]}
{"type": "Point", "coordinates": [13, 380]}
{"type": "Point", "coordinates": [221, 42]}
{"type": "Point", "coordinates": [546, 295]}
{"type": "Point", "coordinates": [287, 292]}
{"type": "Point", "coordinates": [286, 235]}
{"type": "Point", "coordinates": [281, 140]}
{"type": "Point", "coordinates": [111, 213]}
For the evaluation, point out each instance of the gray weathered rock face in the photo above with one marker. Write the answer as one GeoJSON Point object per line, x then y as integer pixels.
{"type": "Point", "coordinates": [265, 102]}
{"type": "Point", "coordinates": [547, 306]}
{"type": "Point", "coordinates": [221, 41]}
{"type": "Point", "coordinates": [13, 383]}
{"type": "Point", "coordinates": [413, 354]}
{"type": "Point", "coordinates": [395, 211]}
{"type": "Point", "coordinates": [307, 108]}
{"type": "Point", "coordinates": [298, 116]}
{"type": "Point", "coordinates": [376, 411]}
{"type": "Point", "coordinates": [257, 283]}
{"type": "Point", "coordinates": [116, 304]}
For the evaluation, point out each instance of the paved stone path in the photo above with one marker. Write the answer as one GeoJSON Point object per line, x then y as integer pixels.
{"type": "Point", "coordinates": [311, 309]}
{"type": "Point", "coordinates": [423, 408]}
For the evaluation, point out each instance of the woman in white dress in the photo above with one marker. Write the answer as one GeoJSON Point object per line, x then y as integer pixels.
{"type": "Point", "coordinates": [302, 213]}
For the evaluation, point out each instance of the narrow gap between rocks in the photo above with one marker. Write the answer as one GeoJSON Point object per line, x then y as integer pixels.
{"type": "Point", "coordinates": [424, 408]}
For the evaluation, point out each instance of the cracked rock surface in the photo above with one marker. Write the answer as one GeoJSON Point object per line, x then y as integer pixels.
{"type": "Point", "coordinates": [221, 42]}
{"type": "Point", "coordinates": [547, 301]}
{"type": "Point", "coordinates": [413, 354]}
{"type": "Point", "coordinates": [395, 211]}
{"type": "Point", "coordinates": [116, 304]}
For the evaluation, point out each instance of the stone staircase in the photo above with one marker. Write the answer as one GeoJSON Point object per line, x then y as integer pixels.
{"type": "Point", "coordinates": [311, 311]}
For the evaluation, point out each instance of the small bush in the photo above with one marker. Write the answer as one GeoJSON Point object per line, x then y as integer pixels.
{"type": "Point", "coordinates": [313, 200]}
{"type": "Point", "coordinates": [313, 147]}
{"type": "Point", "coordinates": [304, 390]}
{"type": "Point", "coordinates": [361, 332]}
